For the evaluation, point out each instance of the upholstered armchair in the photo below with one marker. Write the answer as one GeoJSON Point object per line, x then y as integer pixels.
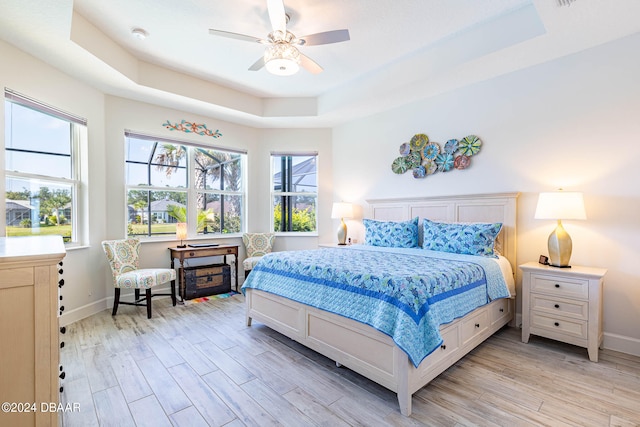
{"type": "Point", "coordinates": [256, 246]}
{"type": "Point", "coordinates": [123, 260]}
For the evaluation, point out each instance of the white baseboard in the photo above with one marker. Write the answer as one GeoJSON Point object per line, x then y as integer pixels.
{"type": "Point", "coordinates": [84, 311]}
{"type": "Point", "coordinates": [100, 305]}
{"type": "Point", "coordinates": [622, 344]}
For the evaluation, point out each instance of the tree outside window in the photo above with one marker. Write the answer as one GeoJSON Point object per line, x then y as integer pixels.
{"type": "Point", "coordinates": [162, 175]}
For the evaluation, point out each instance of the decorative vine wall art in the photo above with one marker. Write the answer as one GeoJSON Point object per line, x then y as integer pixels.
{"type": "Point", "coordinates": [189, 127]}
{"type": "Point", "coordinates": [424, 157]}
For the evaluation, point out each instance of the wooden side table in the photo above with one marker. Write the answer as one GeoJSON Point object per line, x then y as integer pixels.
{"type": "Point", "coordinates": [182, 254]}
{"type": "Point", "coordinates": [564, 304]}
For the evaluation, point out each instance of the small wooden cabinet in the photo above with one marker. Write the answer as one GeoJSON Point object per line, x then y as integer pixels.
{"type": "Point", "coordinates": [29, 344]}
{"type": "Point", "coordinates": [564, 304]}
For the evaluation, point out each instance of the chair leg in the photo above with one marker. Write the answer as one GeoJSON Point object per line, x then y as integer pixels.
{"type": "Point", "coordinates": [246, 273]}
{"type": "Point", "coordinates": [173, 292]}
{"type": "Point", "coordinates": [148, 293]}
{"type": "Point", "coordinates": [136, 293]}
{"type": "Point", "coordinates": [116, 300]}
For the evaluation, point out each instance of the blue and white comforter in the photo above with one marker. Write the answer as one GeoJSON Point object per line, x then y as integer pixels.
{"type": "Point", "coordinates": [404, 293]}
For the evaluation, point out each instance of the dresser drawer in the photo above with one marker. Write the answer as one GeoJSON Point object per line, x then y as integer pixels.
{"type": "Point", "coordinates": [560, 286]}
{"type": "Point", "coordinates": [560, 306]}
{"type": "Point", "coordinates": [566, 326]}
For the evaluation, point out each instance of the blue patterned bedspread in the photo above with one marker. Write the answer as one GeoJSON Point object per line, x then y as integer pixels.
{"type": "Point", "coordinates": [404, 293]}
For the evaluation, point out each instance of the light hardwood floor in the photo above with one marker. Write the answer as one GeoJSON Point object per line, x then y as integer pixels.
{"type": "Point", "coordinates": [198, 364]}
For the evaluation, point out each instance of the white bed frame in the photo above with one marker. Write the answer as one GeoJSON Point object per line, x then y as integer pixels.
{"type": "Point", "coordinates": [374, 354]}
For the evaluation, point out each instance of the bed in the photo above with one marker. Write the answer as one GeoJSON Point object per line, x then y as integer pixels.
{"type": "Point", "coordinates": [376, 353]}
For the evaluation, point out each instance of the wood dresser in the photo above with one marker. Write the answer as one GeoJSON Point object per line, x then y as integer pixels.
{"type": "Point", "coordinates": [29, 344]}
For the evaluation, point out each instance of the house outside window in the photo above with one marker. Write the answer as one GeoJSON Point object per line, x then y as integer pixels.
{"type": "Point", "coordinates": [41, 168]}
{"type": "Point", "coordinates": [294, 192]}
{"type": "Point", "coordinates": [170, 181]}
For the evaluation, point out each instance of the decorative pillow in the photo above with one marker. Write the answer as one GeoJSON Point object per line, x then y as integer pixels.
{"type": "Point", "coordinates": [461, 238]}
{"type": "Point", "coordinates": [258, 244]}
{"type": "Point", "coordinates": [392, 234]}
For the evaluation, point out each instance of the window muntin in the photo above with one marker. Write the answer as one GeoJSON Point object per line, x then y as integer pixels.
{"type": "Point", "coordinates": [295, 192]}
{"type": "Point", "coordinates": [41, 178]}
{"type": "Point", "coordinates": [166, 180]}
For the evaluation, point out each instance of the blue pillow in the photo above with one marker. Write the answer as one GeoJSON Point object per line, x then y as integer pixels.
{"type": "Point", "coordinates": [392, 234]}
{"type": "Point", "coordinates": [461, 238]}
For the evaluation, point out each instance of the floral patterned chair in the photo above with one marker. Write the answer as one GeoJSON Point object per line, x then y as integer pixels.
{"type": "Point", "coordinates": [257, 245]}
{"type": "Point", "coordinates": [123, 259]}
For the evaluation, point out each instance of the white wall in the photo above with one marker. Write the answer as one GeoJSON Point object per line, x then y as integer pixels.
{"type": "Point", "coordinates": [572, 123]}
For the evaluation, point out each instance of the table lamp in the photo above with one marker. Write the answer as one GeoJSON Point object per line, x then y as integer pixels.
{"type": "Point", "coordinates": [342, 210]}
{"type": "Point", "coordinates": [181, 233]}
{"type": "Point", "coordinates": [560, 205]}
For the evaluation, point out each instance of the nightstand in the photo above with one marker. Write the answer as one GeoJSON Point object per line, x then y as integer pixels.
{"type": "Point", "coordinates": [563, 304]}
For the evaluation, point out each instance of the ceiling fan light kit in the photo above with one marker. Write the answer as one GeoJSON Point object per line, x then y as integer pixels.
{"type": "Point", "coordinates": [282, 59]}
{"type": "Point", "coordinates": [281, 56]}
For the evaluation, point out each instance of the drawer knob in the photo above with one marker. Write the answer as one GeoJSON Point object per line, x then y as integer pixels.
{"type": "Point", "coordinates": [557, 285]}
{"type": "Point", "coordinates": [557, 324]}
{"type": "Point", "coordinates": [63, 330]}
{"type": "Point", "coordinates": [192, 253]}
{"type": "Point", "coordinates": [61, 389]}
{"type": "Point", "coordinates": [477, 325]}
{"type": "Point", "coordinates": [443, 347]}
{"type": "Point", "coordinates": [502, 310]}
{"type": "Point", "coordinates": [557, 305]}
{"type": "Point", "coordinates": [61, 271]}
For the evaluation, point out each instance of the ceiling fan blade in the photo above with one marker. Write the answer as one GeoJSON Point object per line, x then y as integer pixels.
{"type": "Point", "coordinates": [328, 37]}
{"type": "Point", "coordinates": [309, 64]}
{"type": "Point", "coordinates": [257, 65]}
{"type": "Point", "coordinates": [237, 36]}
{"type": "Point", "coordinates": [277, 15]}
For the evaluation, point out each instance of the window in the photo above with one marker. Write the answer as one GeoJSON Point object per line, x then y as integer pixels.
{"type": "Point", "coordinates": [295, 192]}
{"type": "Point", "coordinates": [171, 181]}
{"type": "Point", "coordinates": [41, 168]}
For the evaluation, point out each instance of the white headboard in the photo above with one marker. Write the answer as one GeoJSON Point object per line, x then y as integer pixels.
{"type": "Point", "coordinates": [499, 207]}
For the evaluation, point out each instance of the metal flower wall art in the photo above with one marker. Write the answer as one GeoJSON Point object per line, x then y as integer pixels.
{"type": "Point", "coordinates": [189, 127]}
{"type": "Point", "coordinates": [424, 157]}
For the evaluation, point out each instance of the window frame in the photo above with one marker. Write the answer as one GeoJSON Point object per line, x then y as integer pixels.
{"type": "Point", "coordinates": [78, 137]}
{"type": "Point", "coordinates": [274, 193]}
{"type": "Point", "coordinates": [190, 189]}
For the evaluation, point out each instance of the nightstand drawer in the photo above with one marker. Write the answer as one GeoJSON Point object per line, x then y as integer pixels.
{"type": "Point", "coordinates": [560, 306]}
{"type": "Point", "coordinates": [560, 286]}
{"type": "Point", "coordinates": [574, 328]}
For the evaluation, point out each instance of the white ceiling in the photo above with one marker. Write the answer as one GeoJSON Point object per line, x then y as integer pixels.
{"type": "Point", "coordinates": [400, 50]}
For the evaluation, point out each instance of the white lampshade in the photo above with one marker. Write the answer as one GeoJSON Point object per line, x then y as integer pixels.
{"type": "Point", "coordinates": [560, 205]}
{"type": "Point", "coordinates": [342, 210]}
{"type": "Point", "coordinates": [181, 232]}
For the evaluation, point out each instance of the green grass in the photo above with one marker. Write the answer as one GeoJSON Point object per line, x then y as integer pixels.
{"type": "Point", "coordinates": [49, 230]}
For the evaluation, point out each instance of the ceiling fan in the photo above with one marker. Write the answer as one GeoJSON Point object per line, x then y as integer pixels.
{"type": "Point", "coordinates": [282, 56]}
